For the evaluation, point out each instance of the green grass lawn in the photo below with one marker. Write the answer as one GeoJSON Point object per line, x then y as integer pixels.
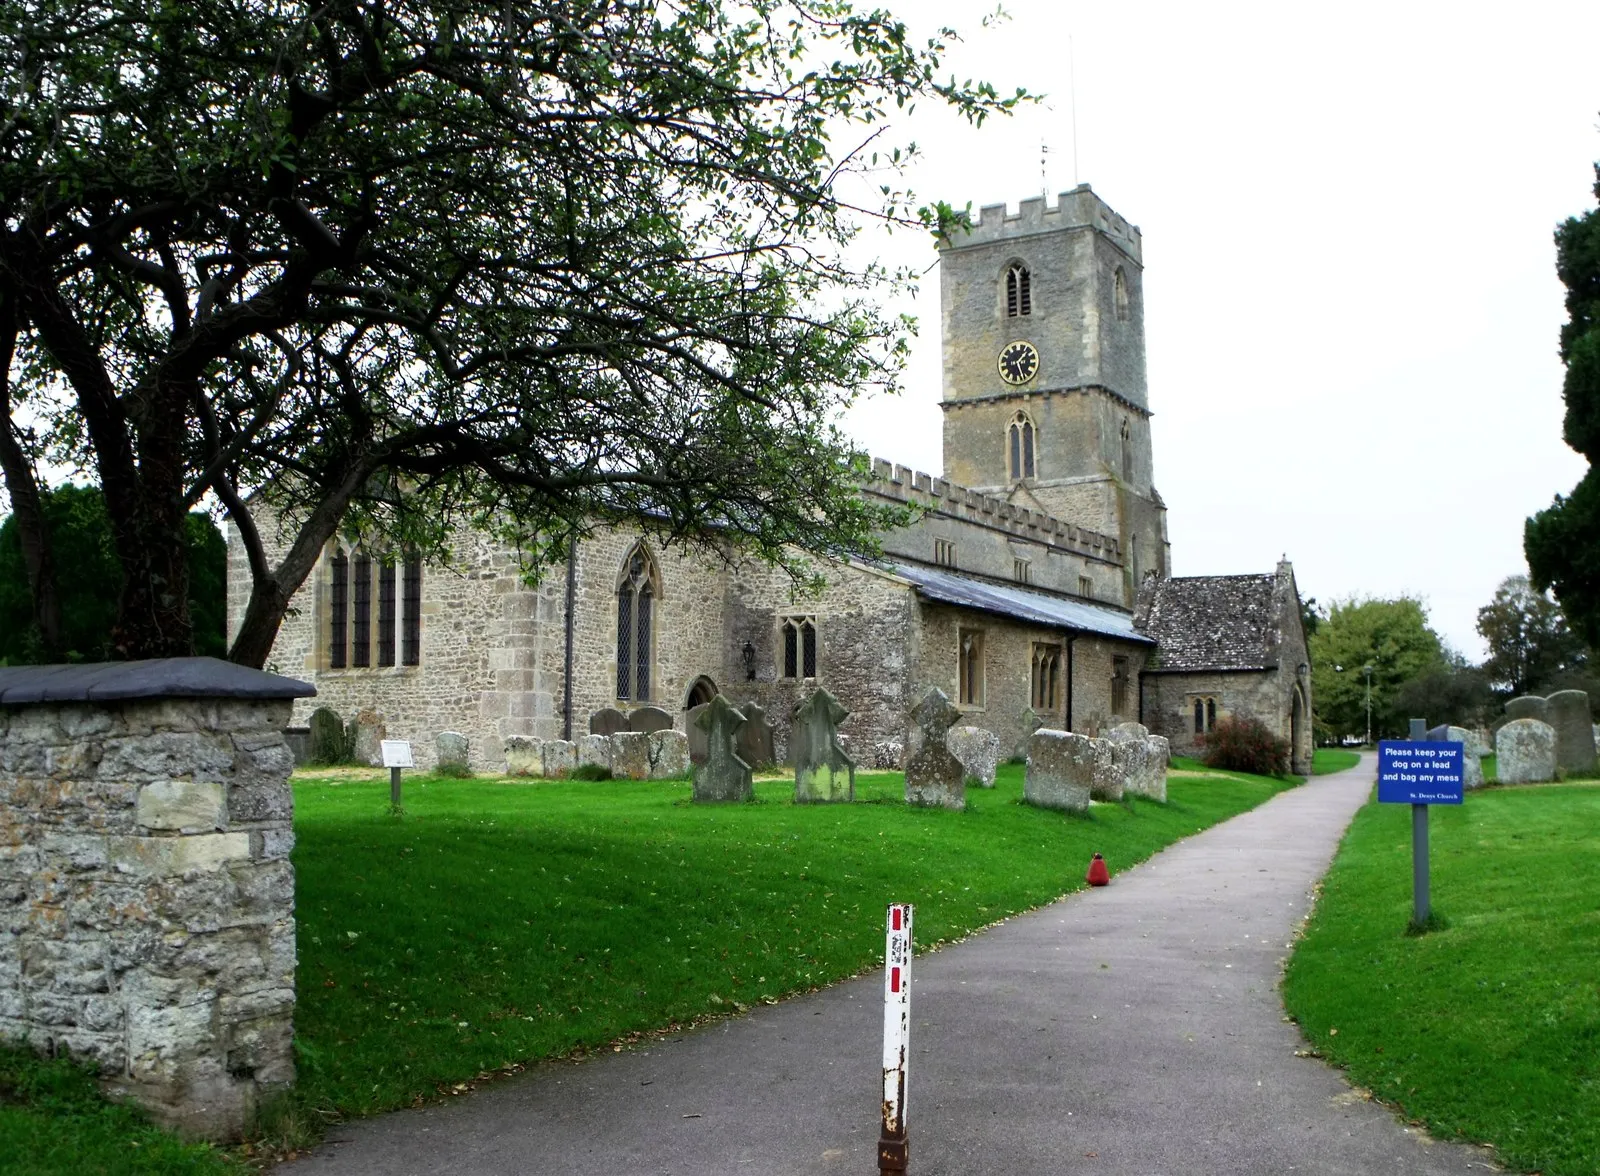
{"type": "Point", "coordinates": [1489, 1029]}
{"type": "Point", "coordinates": [1325, 760]}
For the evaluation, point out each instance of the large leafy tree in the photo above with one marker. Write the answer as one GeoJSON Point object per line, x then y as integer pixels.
{"type": "Point", "coordinates": [1391, 636]}
{"type": "Point", "coordinates": [400, 264]}
{"type": "Point", "coordinates": [1531, 646]}
{"type": "Point", "coordinates": [1562, 542]}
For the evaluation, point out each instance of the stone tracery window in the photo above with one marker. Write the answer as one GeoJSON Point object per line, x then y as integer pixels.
{"type": "Point", "coordinates": [1120, 295]}
{"type": "Point", "coordinates": [799, 646]}
{"type": "Point", "coordinates": [969, 667]}
{"type": "Point", "coordinates": [1019, 291]}
{"type": "Point", "coordinates": [1205, 715]}
{"type": "Point", "coordinates": [1046, 690]}
{"type": "Point", "coordinates": [637, 590]}
{"type": "Point", "coordinates": [361, 636]}
{"type": "Point", "coordinates": [1119, 685]}
{"type": "Point", "coordinates": [1020, 435]}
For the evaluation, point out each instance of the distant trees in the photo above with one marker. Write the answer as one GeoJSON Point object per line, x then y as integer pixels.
{"type": "Point", "coordinates": [1562, 542]}
{"type": "Point", "coordinates": [1531, 646]}
{"type": "Point", "coordinates": [1394, 638]}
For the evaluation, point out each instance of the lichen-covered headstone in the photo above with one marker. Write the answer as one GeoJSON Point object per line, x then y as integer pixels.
{"type": "Point", "coordinates": [724, 775]}
{"type": "Point", "coordinates": [1526, 706]}
{"type": "Point", "coordinates": [1153, 785]}
{"type": "Point", "coordinates": [888, 755]}
{"type": "Point", "coordinates": [524, 756]}
{"type": "Point", "coordinates": [608, 720]}
{"type": "Point", "coordinates": [1110, 777]}
{"type": "Point", "coordinates": [978, 750]}
{"type": "Point", "coordinates": [1139, 760]}
{"type": "Point", "coordinates": [560, 759]}
{"type": "Point", "coordinates": [328, 738]}
{"type": "Point", "coordinates": [755, 738]}
{"type": "Point", "coordinates": [1471, 760]}
{"type": "Point", "coordinates": [1568, 712]}
{"type": "Point", "coordinates": [696, 733]}
{"type": "Point", "coordinates": [822, 771]}
{"type": "Point", "coordinates": [1060, 770]}
{"type": "Point", "coordinates": [630, 755]}
{"type": "Point", "coordinates": [370, 733]}
{"type": "Point", "coordinates": [669, 754]}
{"type": "Point", "coordinates": [451, 749]}
{"type": "Point", "coordinates": [1525, 752]}
{"type": "Point", "coordinates": [595, 751]}
{"type": "Point", "coordinates": [935, 778]}
{"type": "Point", "coordinates": [648, 719]}
{"type": "Point", "coordinates": [1032, 721]}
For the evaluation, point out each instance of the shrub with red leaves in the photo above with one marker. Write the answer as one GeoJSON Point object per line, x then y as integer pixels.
{"type": "Point", "coordinates": [1244, 744]}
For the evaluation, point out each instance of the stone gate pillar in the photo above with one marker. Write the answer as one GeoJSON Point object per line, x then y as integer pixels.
{"type": "Point", "coordinates": [146, 893]}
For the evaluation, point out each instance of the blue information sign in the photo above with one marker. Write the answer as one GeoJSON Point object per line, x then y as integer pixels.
{"type": "Point", "coordinates": [1415, 772]}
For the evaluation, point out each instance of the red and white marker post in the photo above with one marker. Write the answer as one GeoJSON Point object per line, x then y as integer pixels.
{"type": "Point", "coordinates": [896, 1037]}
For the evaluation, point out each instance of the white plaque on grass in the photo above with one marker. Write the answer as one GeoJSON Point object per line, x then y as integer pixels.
{"type": "Point", "coordinates": [397, 753]}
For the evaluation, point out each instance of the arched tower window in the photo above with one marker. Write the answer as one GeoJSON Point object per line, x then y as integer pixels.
{"type": "Point", "coordinates": [1019, 291]}
{"type": "Point", "coordinates": [1020, 438]}
{"type": "Point", "coordinates": [637, 590]}
{"type": "Point", "coordinates": [1127, 451]}
{"type": "Point", "coordinates": [1119, 295]}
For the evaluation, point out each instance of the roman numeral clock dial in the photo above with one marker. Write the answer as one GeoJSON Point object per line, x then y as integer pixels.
{"type": "Point", "coordinates": [1019, 362]}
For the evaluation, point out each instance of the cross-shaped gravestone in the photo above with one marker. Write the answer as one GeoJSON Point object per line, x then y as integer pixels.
{"type": "Point", "coordinates": [755, 738]}
{"type": "Point", "coordinates": [723, 776]}
{"type": "Point", "coordinates": [935, 778]}
{"type": "Point", "coordinates": [822, 771]}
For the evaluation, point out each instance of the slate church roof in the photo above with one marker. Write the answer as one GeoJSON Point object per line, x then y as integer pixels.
{"type": "Point", "coordinates": [1019, 604]}
{"type": "Point", "coordinates": [1212, 622]}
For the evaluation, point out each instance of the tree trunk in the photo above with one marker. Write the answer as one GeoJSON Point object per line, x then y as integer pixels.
{"type": "Point", "coordinates": [26, 506]}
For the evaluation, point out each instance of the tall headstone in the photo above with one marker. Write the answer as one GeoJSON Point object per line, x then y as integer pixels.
{"type": "Point", "coordinates": [1526, 706]}
{"type": "Point", "coordinates": [1060, 770]}
{"type": "Point", "coordinates": [630, 755]}
{"type": "Point", "coordinates": [451, 748]}
{"type": "Point", "coordinates": [524, 756]}
{"type": "Point", "coordinates": [1153, 786]}
{"type": "Point", "coordinates": [1110, 776]}
{"type": "Point", "coordinates": [669, 754]}
{"type": "Point", "coordinates": [696, 733]}
{"type": "Point", "coordinates": [935, 778]}
{"type": "Point", "coordinates": [560, 759]}
{"type": "Point", "coordinates": [608, 720]}
{"type": "Point", "coordinates": [1568, 712]}
{"type": "Point", "coordinates": [1471, 757]}
{"type": "Point", "coordinates": [822, 771]}
{"type": "Point", "coordinates": [594, 751]}
{"type": "Point", "coordinates": [755, 738]}
{"type": "Point", "coordinates": [370, 733]}
{"type": "Point", "coordinates": [648, 719]}
{"type": "Point", "coordinates": [723, 775]}
{"type": "Point", "coordinates": [1525, 752]}
{"type": "Point", "coordinates": [977, 749]}
{"type": "Point", "coordinates": [327, 737]}
{"type": "Point", "coordinates": [1140, 759]}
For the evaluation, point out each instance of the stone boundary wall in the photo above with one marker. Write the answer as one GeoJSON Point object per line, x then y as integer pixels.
{"type": "Point", "coordinates": [902, 484]}
{"type": "Point", "coordinates": [147, 897]}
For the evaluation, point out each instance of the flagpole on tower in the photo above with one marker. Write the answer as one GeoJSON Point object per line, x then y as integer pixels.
{"type": "Point", "coordinates": [1072, 91]}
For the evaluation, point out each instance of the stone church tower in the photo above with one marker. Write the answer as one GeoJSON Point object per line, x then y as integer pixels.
{"type": "Point", "coordinates": [1044, 371]}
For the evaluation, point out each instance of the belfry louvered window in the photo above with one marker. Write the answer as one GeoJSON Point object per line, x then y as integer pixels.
{"type": "Point", "coordinates": [635, 605]}
{"type": "Point", "coordinates": [1019, 291]}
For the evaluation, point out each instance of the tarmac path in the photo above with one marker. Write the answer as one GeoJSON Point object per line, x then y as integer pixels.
{"type": "Point", "coordinates": [1134, 1030]}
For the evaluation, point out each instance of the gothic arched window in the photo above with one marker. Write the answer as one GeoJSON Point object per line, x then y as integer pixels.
{"type": "Point", "coordinates": [1021, 439]}
{"type": "Point", "coordinates": [1019, 291]}
{"type": "Point", "coordinates": [1127, 451]}
{"type": "Point", "coordinates": [1120, 295]}
{"type": "Point", "coordinates": [637, 590]}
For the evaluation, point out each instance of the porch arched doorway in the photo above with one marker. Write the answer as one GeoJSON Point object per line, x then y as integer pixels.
{"type": "Point", "coordinates": [701, 691]}
{"type": "Point", "coordinates": [1299, 759]}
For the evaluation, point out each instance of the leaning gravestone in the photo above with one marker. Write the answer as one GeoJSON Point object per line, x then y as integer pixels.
{"type": "Point", "coordinates": [594, 751]}
{"type": "Point", "coordinates": [608, 720]}
{"type": "Point", "coordinates": [696, 733]}
{"type": "Point", "coordinates": [822, 771]}
{"type": "Point", "coordinates": [1060, 770]}
{"type": "Point", "coordinates": [977, 749]}
{"type": "Point", "coordinates": [1153, 785]}
{"type": "Point", "coordinates": [755, 738]}
{"type": "Point", "coordinates": [1527, 706]}
{"type": "Point", "coordinates": [935, 778]}
{"type": "Point", "coordinates": [648, 719]}
{"type": "Point", "coordinates": [1525, 752]}
{"type": "Point", "coordinates": [560, 759]}
{"type": "Point", "coordinates": [370, 733]}
{"type": "Point", "coordinates": [630, 755]}
{"type": "Point", "coordinates": [524, 756]}
{"type": "Point", "coordinates": [669, 754]}
{"type": "Point", "coordinates": [1568, 712]}
{"type": "Point", "coordinates": [451, 749]}
{"type": "Point", "coordinates": [724, 775]}
{"type": "Point", "coordinates": [328, 744]}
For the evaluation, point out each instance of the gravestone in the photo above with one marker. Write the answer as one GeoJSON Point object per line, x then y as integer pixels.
{"type": "Point", "coordinates": [594, 750]}
{"type": "Point", "coordinates": [1141, 761]}
{"type": "Point", "coordinates": [755, 738]}
{"type": "Point", "coordinates": [935, 778]}
{"type": "Point", "coordinates": [1031, 721]}
{"type": "Point", "coordinates": [560, 758]}
{"type": "Point", "coordinates": [1525, 752]}
{"type": "Point", "coordinates": [724, 774]}
{"type": "Point", "coordinates": [1060, 770]}
{"type": "Point", "coordinates": [669, 754]}
{"type": "Point", "coordinates": [1568, 712]}
{"type": "Point", "coordinates": [299, 741]}
{"type": "Point", "coordinates": [822, 771]}
{"type": "Point", "coordinates": [328, 744]}
{"type": "Point", "coordinates": [1596, 738]}
{"type": "Point", "coordinates": [977, 749]}
{"type": "Point", "coordinates": [1471, 757]}
{"type": "Point", "coordinates": [607, 720]}
{"type": "Point", "coordinates": [630, 755]}
{"type": "Point", "coordinates": [1526, 706]}
{"type": "Point", "coordinates": [451, 749]}
{"type": "Point", "coordinates": [524, 756]}
{"type": "Point", "coordinates": [696, 733]}
{"type": "Point", "coordinates": [648, 719]}
{"type": "Point", "coordinates": [888, 755]}
{"type": "Point", "coordinates": [370, 733]}
{"type": "Point", "coordinates": [1110, 777]}
{"type": "Point", "coordinates": [1159, 756]}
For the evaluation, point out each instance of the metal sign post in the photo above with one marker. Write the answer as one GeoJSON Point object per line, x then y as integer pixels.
{"type": "Point", "coordinates": [1420, 773]}
{"type": "Point", "coordinates": [896, 1037]}
{"type": "Point", "coordinates": [396, 755]}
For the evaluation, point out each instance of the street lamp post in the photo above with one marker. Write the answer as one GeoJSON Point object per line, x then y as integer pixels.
{"type": "Point", "coordinates": [1367, 670]}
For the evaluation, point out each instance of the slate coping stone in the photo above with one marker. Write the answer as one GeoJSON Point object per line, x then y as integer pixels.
{"type": "Point", "coordinates": [163, 677]}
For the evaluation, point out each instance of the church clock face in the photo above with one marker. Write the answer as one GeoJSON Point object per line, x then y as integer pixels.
{"type": "Point", "coordinates": [1019, 362]}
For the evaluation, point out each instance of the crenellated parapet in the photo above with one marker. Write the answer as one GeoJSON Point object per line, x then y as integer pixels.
{"type": "Point", "coordinates": [902, 484]}
{"type": "Point", "coordinates": [1079, 208]}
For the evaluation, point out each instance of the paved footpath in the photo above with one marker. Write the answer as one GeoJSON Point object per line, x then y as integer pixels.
{"type": "Point", "coordinates": [1134, 1030]}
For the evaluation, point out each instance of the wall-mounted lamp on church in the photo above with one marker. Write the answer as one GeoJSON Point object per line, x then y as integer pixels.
{"type": "Point", "coordinates": [1303, 669]}
{"type": "Point", "coordinates": [749, 654]}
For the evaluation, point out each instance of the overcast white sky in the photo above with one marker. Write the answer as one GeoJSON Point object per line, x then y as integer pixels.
{"type": "Point", "coordinates": [1351, 301]}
